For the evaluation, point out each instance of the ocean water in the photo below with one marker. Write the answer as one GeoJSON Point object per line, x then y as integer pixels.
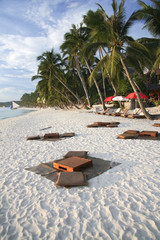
{"type": "Point", "coordinates": [8, 113]}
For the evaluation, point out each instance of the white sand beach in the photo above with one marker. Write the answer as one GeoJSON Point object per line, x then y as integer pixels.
{"type": "Point", "coordinates": [122, 203]}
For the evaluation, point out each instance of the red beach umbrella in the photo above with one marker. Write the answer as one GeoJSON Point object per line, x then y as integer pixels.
{"type": "Point", "coordinates": [108, 99]}
{"type": "Point", "coordinates": [133, 95]}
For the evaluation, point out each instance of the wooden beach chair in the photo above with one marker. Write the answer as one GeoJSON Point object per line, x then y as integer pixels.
{"type": "Point", "coordinates": [117, 112]}
{"type": "Point", "coordinates": [125, 112]}
{"type": "Point", "coordinates": [105, 111]}
{"type": "Point", "coordinates": [137, 113]}
{"type": "Point", "coordinates": [110, 112]}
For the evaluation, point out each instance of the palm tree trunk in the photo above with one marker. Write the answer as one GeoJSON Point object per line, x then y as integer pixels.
{"type": "Point", "coordinates": [103, 78]}
{"type": "Point", "coordinates": [136, 85]}
{"type": "Point", "coordinates": [96, 84]}
{"type": "Point", "coordinates": [64, 96]}
{"type": "Point", "coordinates": [82, 79]}
{"type": "Point", "coordinates": [114, 88]}
{"type": "Point", "coordinates": [146, 114]}
{"type": "Point", "coordinates": [78, 99]}
{"type": "Point", "coordinates": [110, 80]}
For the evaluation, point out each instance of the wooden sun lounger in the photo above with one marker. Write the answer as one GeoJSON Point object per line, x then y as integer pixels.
{"type": "Point", "coordinates": [124, 114]}
{"type": "Point", "coordinates": [103, 112]}
{"type": "Point", "coordinates": [130, 113]}
{"type": "Point", "coordinates": [110, 112]}
{"type": "Point", "coordinates": [117, 113]}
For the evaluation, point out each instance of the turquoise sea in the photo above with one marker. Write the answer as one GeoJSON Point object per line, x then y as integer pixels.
{"type": "Point", "coordinates": [8, 113]}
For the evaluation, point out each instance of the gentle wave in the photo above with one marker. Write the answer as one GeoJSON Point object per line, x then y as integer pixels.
{"type": "Point", "coordinates": [8, 113]}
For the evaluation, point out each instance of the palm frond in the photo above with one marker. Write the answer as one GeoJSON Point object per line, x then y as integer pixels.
{"type": "Point", "coordinates": [114, 60]}
{"type": "Point", "coordinates": [96, 70]}
{"type": "Point", "coordinates": [104, 13]}
{"type": "Point", "coordinates": [139, 52]}
{"type": "Point", "coordinates": [157, 62]}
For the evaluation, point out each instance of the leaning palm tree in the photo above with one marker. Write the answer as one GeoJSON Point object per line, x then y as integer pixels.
{"type": "Point", "coordinates": [119, 43]}
{"type": "Point", "coordinates": [50, 69]}
{"type": "Point", "coordinates": [74, 41]}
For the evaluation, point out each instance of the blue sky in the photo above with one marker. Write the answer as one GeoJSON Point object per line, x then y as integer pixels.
{"type": "Point", "coordinates": [30, 27]}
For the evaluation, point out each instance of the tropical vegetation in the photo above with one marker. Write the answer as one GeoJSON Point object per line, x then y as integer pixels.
{"type": "Point", "coordinates": [97, 56]}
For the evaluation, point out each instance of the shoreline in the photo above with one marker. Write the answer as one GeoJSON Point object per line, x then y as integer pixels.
{"type": "Point", "coordinates": [121, 203]}
{"type": "Point", "coordinates": [7, 113]}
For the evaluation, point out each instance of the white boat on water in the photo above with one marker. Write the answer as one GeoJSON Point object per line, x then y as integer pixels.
{"type": "Point", "coordinates": [14, 105]}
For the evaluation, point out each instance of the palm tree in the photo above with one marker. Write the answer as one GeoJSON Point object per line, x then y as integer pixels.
{"type": "Point", "coordinates": [50, 70]}
{"type": "Point", "coordinates": [97, 41]}
{"type": "Point", "coordinates": [151, 17]}
{"type": "Point", "coordinates": [74, 41]}
{"type": "Point", "coordinates": [119, 43]}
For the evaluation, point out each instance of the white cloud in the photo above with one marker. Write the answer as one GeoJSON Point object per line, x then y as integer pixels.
{"type": "Point", "coordinates": [8, 93]}
{"type": "Point", "coordinates": [20, 52]}
{"type": "Point", "coordinates": [50, 19]}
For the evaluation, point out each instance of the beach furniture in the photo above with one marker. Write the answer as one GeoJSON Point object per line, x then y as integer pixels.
{"type": "Point", "coordinates": [149, 133]}
{"type": "Point", "coordinates": [129, 113]}
{"type": "Point", "coordinates": [156, 125]}
{"type": "Point", "coordinates": [68, 179]}
{"type": "Point", "coordinates": [72, 164]}
{"type": "Point", "coordinates": [134, 134]}
{"type": "Point", "coordinates": [103, 124]}
{"type": "Point", "coordinates": [82, 154]}
{"type": "Point", "coordinates": [103, 112]}
{"type": "Point", "coordinates": [93, 168]}
{"type": "Point", "coordinates": [125, 112]}
{"type": "Point", "coordinates": [51, 136]}
{"type": "Point", "coordinates": [137, 113]}
{"type": "Point", "coordinates": [110, 111]}
{"type": "Point", "coordinates": [34, 137]}
{"type": "Point", "coordinates": [117, 112]}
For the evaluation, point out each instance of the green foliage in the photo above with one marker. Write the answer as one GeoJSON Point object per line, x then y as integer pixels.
{"type": "Point", "coordinates": [104, 35]}
{"type": "Point", "coordinates": [29, 100]}
{"type": "Point", "coordinates": [125, 88]}
{"type": "Point", "coordinates": [157, 103]}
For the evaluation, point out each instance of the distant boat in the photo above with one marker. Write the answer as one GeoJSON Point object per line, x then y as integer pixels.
{"type": "Point", "coordinates": [14, 105]}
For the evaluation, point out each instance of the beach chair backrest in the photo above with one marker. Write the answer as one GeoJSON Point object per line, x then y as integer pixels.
{"type": "Point", "coordinates": [118, 110]}
{"type": "Point", "coordinates": [136, 111]}
{"type": "Point", "coordinates": [125, 110]}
